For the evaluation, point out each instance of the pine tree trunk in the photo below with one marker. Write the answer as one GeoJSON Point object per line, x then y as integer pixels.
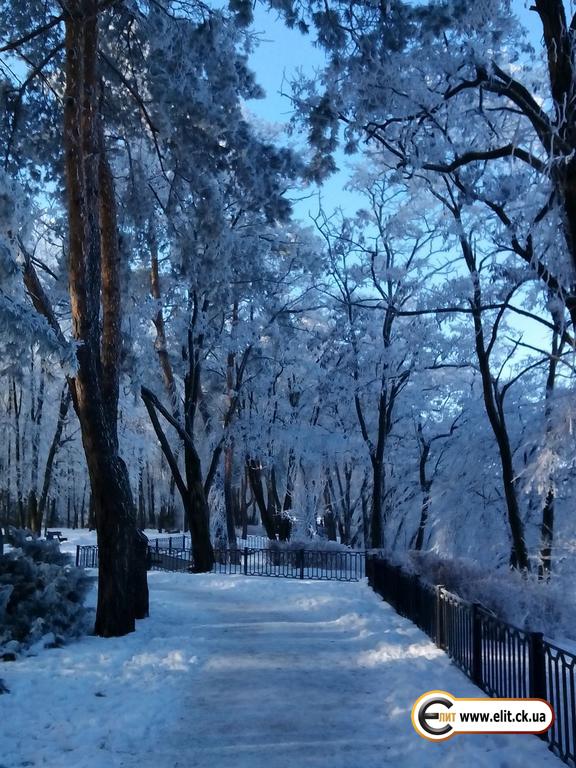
{"type": "Point", "coordinates": [93, 268]}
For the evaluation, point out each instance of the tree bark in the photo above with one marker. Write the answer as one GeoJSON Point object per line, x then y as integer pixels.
{"type": "Point", "coordinates": [229, 501]}
{"type": "Point", "coordinates": [93, 266]}
{"type": "Point", "coordinates": [65, 399]}
{"type": "Point", "coordinates": [254, 470]}
{"type": "Point", "coordinates": [192, 489]}
{"type": "Point", "coordinates": [17, 405]}
{"type": "Point", "coordinates": [494, 406]}
{"type": "Point", "coordinates": [558, 35]}
{"type": "Point", "coordinates": [547, 526]}
{"type": "Point", "coordinates": [425, 486]}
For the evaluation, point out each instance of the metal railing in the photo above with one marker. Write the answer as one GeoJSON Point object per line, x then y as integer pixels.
{"type": "Point", "coordinates": [178, 541]}
{"type": "Point", "coordinates": [253, 541]}
{"type": "Point", "coordinates": [87, 555]}
{"type": "Point", "coordinates": [292, 564]}
{"type": "Point", "coordinates": [503, 660]}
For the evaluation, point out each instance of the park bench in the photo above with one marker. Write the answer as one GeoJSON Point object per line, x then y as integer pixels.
{"type": "Point", "coordinates": [51, 535]}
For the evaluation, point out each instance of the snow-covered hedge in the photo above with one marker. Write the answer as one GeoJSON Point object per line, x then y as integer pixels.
{"type": "Point", "coordinates": [41, 597]}
{"type": "Point", "coordinates": [317, 544]}
{"type": "Point", "coordinates": [520, 599]}
{"type": "Point", "coordinates": [316, 549]}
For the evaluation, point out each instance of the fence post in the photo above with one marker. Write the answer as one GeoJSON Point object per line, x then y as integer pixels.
{"type": "Point", "coordinates": [77, 555]}
{"type": "Point", "coordinates": [170, 544]}
{"type": "Point", "coordinates": [476, 661]}
{"type": "Point", "coordinates": [183, 541]}
{"type": "Point", "coordinates": [245, 561]}
{"type": "Point", "coordinates": [439, 621]}
{"type": "Point", "coordinates": [415, 608]}
{"type": "Point", "coordinates": [537, 666]}
{"type": "Point", "coordinates": [398, 589]}
{"type": "Point", "coordinates": [301, 563]}
{"type": "Point", "coordinates": [376, 575]}
{"type": "Point", "coordinates": [537, 671]}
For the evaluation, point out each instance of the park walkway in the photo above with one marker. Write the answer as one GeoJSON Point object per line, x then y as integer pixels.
{"type": "Point", "coordinates": [245, 672]}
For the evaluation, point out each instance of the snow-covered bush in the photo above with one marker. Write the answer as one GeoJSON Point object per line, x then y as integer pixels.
{"type": "Point", "coordinates": [40, 550]}
{"type": "Point", "coordinates": [520, 599]}
{"type": "Point", "coordinates": [318, 544]}
{"type": "Point", "coordinates": [41, 597]}
{"type": "Point", "coordinates": [316, 551]}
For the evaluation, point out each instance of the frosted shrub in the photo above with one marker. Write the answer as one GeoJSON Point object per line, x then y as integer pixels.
{"type": "Point", "coordinates": [39, 550]}
{"type": "Point", "coordinates": [517, 598]}
{"type": "Point", "coordinates": [316, 545]}
{"type": "Point", "coordinates": [41, 597]}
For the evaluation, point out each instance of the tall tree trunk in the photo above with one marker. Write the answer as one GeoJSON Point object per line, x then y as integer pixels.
{"type": "Point", "coordinates": [36, 412]}
{"type": "Point", "coordinates": [192, 492]}
{"type": "Point", "coordinates": [17, 405]}
{"type": "Point", "coordinates": [229, 501]}
{"type": "Point", "coordinates": [376, 537]}
{"type": "Point", "coordinates": [254, 470]}
{"type": "Point", "coordinates": [290, 474]}
{"type": "Point", "coordinates": [425, 486]}
{"type": "Point", "coordinates": [94, 275]}
{"type": "Point", "coordinates": [558, 35]}
{"type": "Point", "coordinates": [191, 489]}
{"type": "Point", "coordinates": [160, 344]}
{"type": "Point", "coordinates": [494, 405]}
{"type": "Point", "coordinates": [141, 497]}
{"type": "Point", "coordinates": [151, 498]}
{"type": "Point", "coordinates": [390, 387]}
{"type": "Point", "coordinates": [329, 516]}
{"type": "Point", "coordinates": [65, 399]}
{"type": "Point", "coordinates": [244, 504]}
{"type": "Point", "coordinates": [547, 526]}
{"type": "Point", "coordinates": [83, 507]}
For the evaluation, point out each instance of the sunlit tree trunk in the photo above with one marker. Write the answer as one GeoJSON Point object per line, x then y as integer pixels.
{"type": "Point", "coordinates": [94, 277]}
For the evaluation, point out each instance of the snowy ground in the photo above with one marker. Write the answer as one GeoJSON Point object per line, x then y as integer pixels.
{"type": "Point", "coordinates": [246, 672]}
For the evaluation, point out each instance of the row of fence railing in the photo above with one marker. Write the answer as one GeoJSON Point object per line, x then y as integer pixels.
{"type": "Point", "coordinates": [503, 660]}
{"type": "Point", "coordinates": [253, 541]}
{"type": "Point", "coordinates": [288, 563]}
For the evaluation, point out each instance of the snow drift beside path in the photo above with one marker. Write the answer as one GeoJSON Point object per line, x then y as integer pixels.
{"type": "Point", "coordinates": [245, 672]}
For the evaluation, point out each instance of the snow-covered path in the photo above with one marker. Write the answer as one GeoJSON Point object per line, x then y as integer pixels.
{"type": "Point", "coordinates": [244, 672]}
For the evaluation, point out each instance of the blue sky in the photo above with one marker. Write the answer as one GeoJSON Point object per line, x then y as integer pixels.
{"type": "Point", "coordinates": [281, 55]}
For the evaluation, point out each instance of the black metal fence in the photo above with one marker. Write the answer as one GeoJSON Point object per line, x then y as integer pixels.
{"type": "Point", "coordinates": [504, 660]}
{"type": "Point", "coordinates": [180, 541]}
{"type": "Point", "coordinates": [86, 556]}
{"type": "Point", "coordinates": [289, 563]}
{"type": "Point", "coordinates": [292, 563]}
